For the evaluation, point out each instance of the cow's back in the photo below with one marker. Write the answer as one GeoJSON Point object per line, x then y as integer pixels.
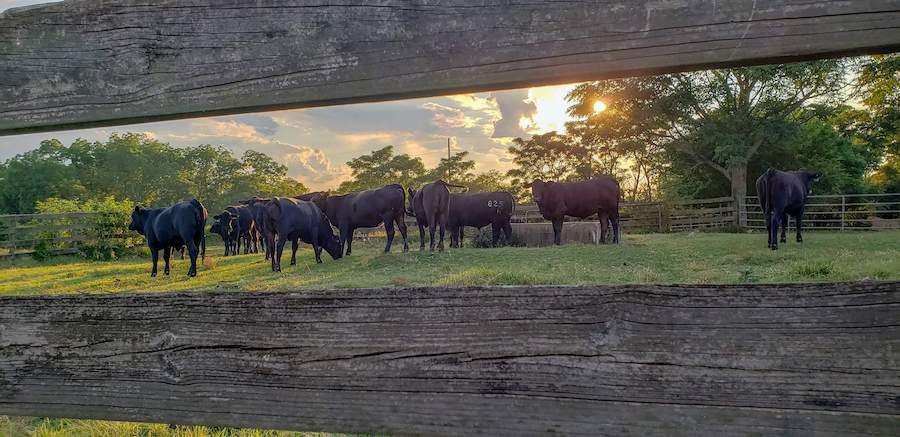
{"type": "Point", "coordinates": [479, 209]}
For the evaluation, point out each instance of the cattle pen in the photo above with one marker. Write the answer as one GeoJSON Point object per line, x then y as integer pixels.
{"type": "Point", "coordinates": [618, 360]}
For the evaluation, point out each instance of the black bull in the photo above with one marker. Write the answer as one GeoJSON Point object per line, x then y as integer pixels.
{"type": "Point", "coordinates": [367, 209]}
{"type": "Point", "coordinates": [582, 199]}
{"type": "Point", "coordinates": [182, 224]}
{"type": "Point", "coordinates": [783, 193]}
{"type": "Point", "coordinates": [479, 210]}
{"type": "Point", "coordinates": [293, 219]}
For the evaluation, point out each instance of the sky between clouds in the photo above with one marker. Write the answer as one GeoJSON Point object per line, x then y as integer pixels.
{"type": "Point", "coordinates": [316, 143]}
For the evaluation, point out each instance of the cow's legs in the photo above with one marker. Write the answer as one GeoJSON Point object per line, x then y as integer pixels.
{"type": "Point", "coordinates": [421, 235]}
{"type": "Point", "coordinates": [202, 247]}
{"type": "Point", "coordinates": [784, 225]}
{"type": "Point", "coordinates": [389, 231]}
{"type": "Point", "coordinates": [507, 231]}
{"type": "Point", "coordinates": [166, 254]}
{"type": "Point", "coordinates": [401, 225]}
{"type": "Point", "coordinates": [347, 237]}
{"type": "Point", "coordinates": [443, 224]}
{"type": "Point", "coordinates": [454, 236]}
{"type": "Point", "coordinates": [557, 231]}
{"type": "Point", "coordinates": [496, 230]}
{"type": "Point", "coordinates": [317, 249]}
{"type": "Point", "coordinates": [270, 250]}
{"type": "Point", "coordinates": [295, 244]}
{"type": "Point", "coordinates": [154, 256]}
{"type": "Point", "coordinates": [799, 220]}
{"type": "Point", "coordinates": [775, 218]}
{"type": "Point", "coordinates": [279, 248]}
{"type": "Point", "coordinates": [432, 227]}
{"type": "Point", "coordinates": [193, 252]}
{"type": "Point", "coordinates": [604, 226]}
{"type": "Point", "coordinates": [768, 220]}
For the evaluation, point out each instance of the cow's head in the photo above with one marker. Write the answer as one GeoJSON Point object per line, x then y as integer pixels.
{"type": "Point", "coordinates": [808, 178]}
{"type": "Point", "coordinates": [138, 216]}
{"type": "Point", "coordinates": [537, 190]}
{"type": "Point", "coordinates": [329, 241]}
{"type": "Point", "coordinates": [224, 223]}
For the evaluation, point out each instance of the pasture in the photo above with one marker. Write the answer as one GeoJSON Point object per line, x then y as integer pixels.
{"type": "Point", "coordinates": [644, 258]}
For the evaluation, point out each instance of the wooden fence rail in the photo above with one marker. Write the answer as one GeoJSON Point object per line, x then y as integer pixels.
{"type": "Point", "coordinates": [838, 212]}
{"type": "Point", "coordinates": [62, 233]}
{"type": "Point", "coordinates": [813, 359]}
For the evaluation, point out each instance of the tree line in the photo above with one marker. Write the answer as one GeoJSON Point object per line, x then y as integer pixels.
{"type": "Point", "coordinates": [140, 169]}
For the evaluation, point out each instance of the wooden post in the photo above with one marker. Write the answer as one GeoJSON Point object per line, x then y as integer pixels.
{"type": "Point", "coordinates": [843, 210]}
{"type": "Point", "coordinates": [12, 236]}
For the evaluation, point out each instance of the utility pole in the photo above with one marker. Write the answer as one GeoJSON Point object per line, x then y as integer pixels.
{"type": "Point", "coordinates": [448, 159]}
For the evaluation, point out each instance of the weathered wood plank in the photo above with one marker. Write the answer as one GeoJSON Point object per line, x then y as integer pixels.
{"type": "Point", "coordinates": [91, 63]}
{"type": "Point", "coordinates": [814, 359]}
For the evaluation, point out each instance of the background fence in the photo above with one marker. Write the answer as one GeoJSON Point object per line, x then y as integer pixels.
{"type": "Point", "coordinates": [65, 233]}
{"type": "Point", "coordinates": [71, 232]}
{"type": "Point", "coordinates": [837, 212]}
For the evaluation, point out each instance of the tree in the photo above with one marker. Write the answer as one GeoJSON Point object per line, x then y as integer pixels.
{"type": "Point", "coordinates": [719, 118]}
{"type": "Point", "coordinates": [879, 85]}
{"type": "Point", "coordinates": [36, 175]}
{"type": "Point", "coordinates": [381, 167]}
{"type": "Point", "coordinates": [545, 156]}
{"type": "Point", "coordinates": [456, 169]}
{"type": "Point", "coordinates": [268, 177]}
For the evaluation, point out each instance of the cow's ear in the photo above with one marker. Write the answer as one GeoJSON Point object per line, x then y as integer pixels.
{"type": "Point", "coordinates": [217, 216]}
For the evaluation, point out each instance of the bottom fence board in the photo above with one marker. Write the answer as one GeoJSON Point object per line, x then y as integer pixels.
{"type": "Point", "coordinates": [800, 359]}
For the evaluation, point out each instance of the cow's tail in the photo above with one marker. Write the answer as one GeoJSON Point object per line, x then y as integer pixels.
{"type": "Point", "coordinates": [767, 206]}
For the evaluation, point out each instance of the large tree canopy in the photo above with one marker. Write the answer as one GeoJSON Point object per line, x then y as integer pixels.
{"type": "Point", "coordinates": [141, 169]}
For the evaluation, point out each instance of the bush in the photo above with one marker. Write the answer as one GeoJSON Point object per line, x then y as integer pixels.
{"type": "Point", "coordinates": [107, 236]}
{"type": "Point", "coordinates": [482, 239]}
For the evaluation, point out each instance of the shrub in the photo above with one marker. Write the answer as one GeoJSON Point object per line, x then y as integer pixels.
{"type": "Point", "coordinates": [106, 236]}
{"type": "Point", "coordinates": [482, 239]}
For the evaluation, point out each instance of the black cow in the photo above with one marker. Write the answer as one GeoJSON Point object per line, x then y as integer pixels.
{"type": "Point", "coordinates": [479, 210]}
{"type": "Point", "coordinates": [431, 208]}
{"type": "Point", "coordinates": [246, 228]}
{"type": "Point", "coordinates": [258, 210]}
{"type": "Point", "coordinates": [293, 219]}
{"type": "Point", "coordinates": [782, 193]}
{"type": "Point", "coordinates": [367, 209]}
{"type": "Point", "coordinates": [582, 199]}
{"type": "Point", "coordinates": [226, 225]}
{"type": "Point", "coordinates": [182, 224]}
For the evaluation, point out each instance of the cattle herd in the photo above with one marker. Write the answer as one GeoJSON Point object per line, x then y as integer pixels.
{"type": "Point", "coordinates": [270, 223]}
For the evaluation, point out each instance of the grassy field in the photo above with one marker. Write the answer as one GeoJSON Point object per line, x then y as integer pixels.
{"type": "Point", "coordinates": [666, 258]}
{"type": "Point", "coordinates": [660, 258]}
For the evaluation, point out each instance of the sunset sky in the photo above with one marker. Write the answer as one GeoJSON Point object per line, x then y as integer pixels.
{"type": "Point", "coordinates": [315, 143]}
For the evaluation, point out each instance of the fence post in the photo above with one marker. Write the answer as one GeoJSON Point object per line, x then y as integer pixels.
{"type": "Point", "coordinates": [12, 237]}
{"type": "Point", "coordinates": [843, 210]}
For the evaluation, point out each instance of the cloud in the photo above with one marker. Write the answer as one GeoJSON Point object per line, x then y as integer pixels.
{"type": "Point", "coordinates": [514, 106]}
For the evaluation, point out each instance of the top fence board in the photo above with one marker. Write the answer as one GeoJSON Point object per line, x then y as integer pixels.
{"type": "Point", "coordinates": [105, 62]}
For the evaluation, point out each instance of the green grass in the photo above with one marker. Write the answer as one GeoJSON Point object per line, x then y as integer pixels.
{"type": "Point", "coordinates": [46, 427]}
{"type": "Point", "coordinates": [659, 258]}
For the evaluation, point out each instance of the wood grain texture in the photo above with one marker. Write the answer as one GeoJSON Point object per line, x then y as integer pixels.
{"type": "Point", "coordinates": [814, 359]}
{"type": "Point", "coordinates": [90, 62]}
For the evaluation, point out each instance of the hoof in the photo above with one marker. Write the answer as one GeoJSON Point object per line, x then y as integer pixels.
{"type": "Point", "coordinates": [774, 247]}
{"type": "Point", "coordinates": [293, 263]}
{"type": "Point", "coordinates": [153, 275]}
{"type": "Point", "coordinates": [318, 261]}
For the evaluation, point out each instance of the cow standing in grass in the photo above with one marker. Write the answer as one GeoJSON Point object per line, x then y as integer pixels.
{"type": "Point", "coordinates": [226, 226]}
{"type": "Point", "coordinates": [182, 224]}
{"type": "Point", "coordinates": [479, 210]}
{"type": "Point", "coordinates": [582, 199]}
{"type": "Point", "coordinates": [431, 208]}
{"type": "Point", "coordinates": [366, 209]}
{"type": "Point", "coordinates": [295, 220]}
{"type": "Point", "coordinates": [783, 193]}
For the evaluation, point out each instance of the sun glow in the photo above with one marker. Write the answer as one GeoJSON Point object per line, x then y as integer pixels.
{"type": "Point", "coordinates": [551, 109]}
{"type": "Point", "coordinates": [599, 106]}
